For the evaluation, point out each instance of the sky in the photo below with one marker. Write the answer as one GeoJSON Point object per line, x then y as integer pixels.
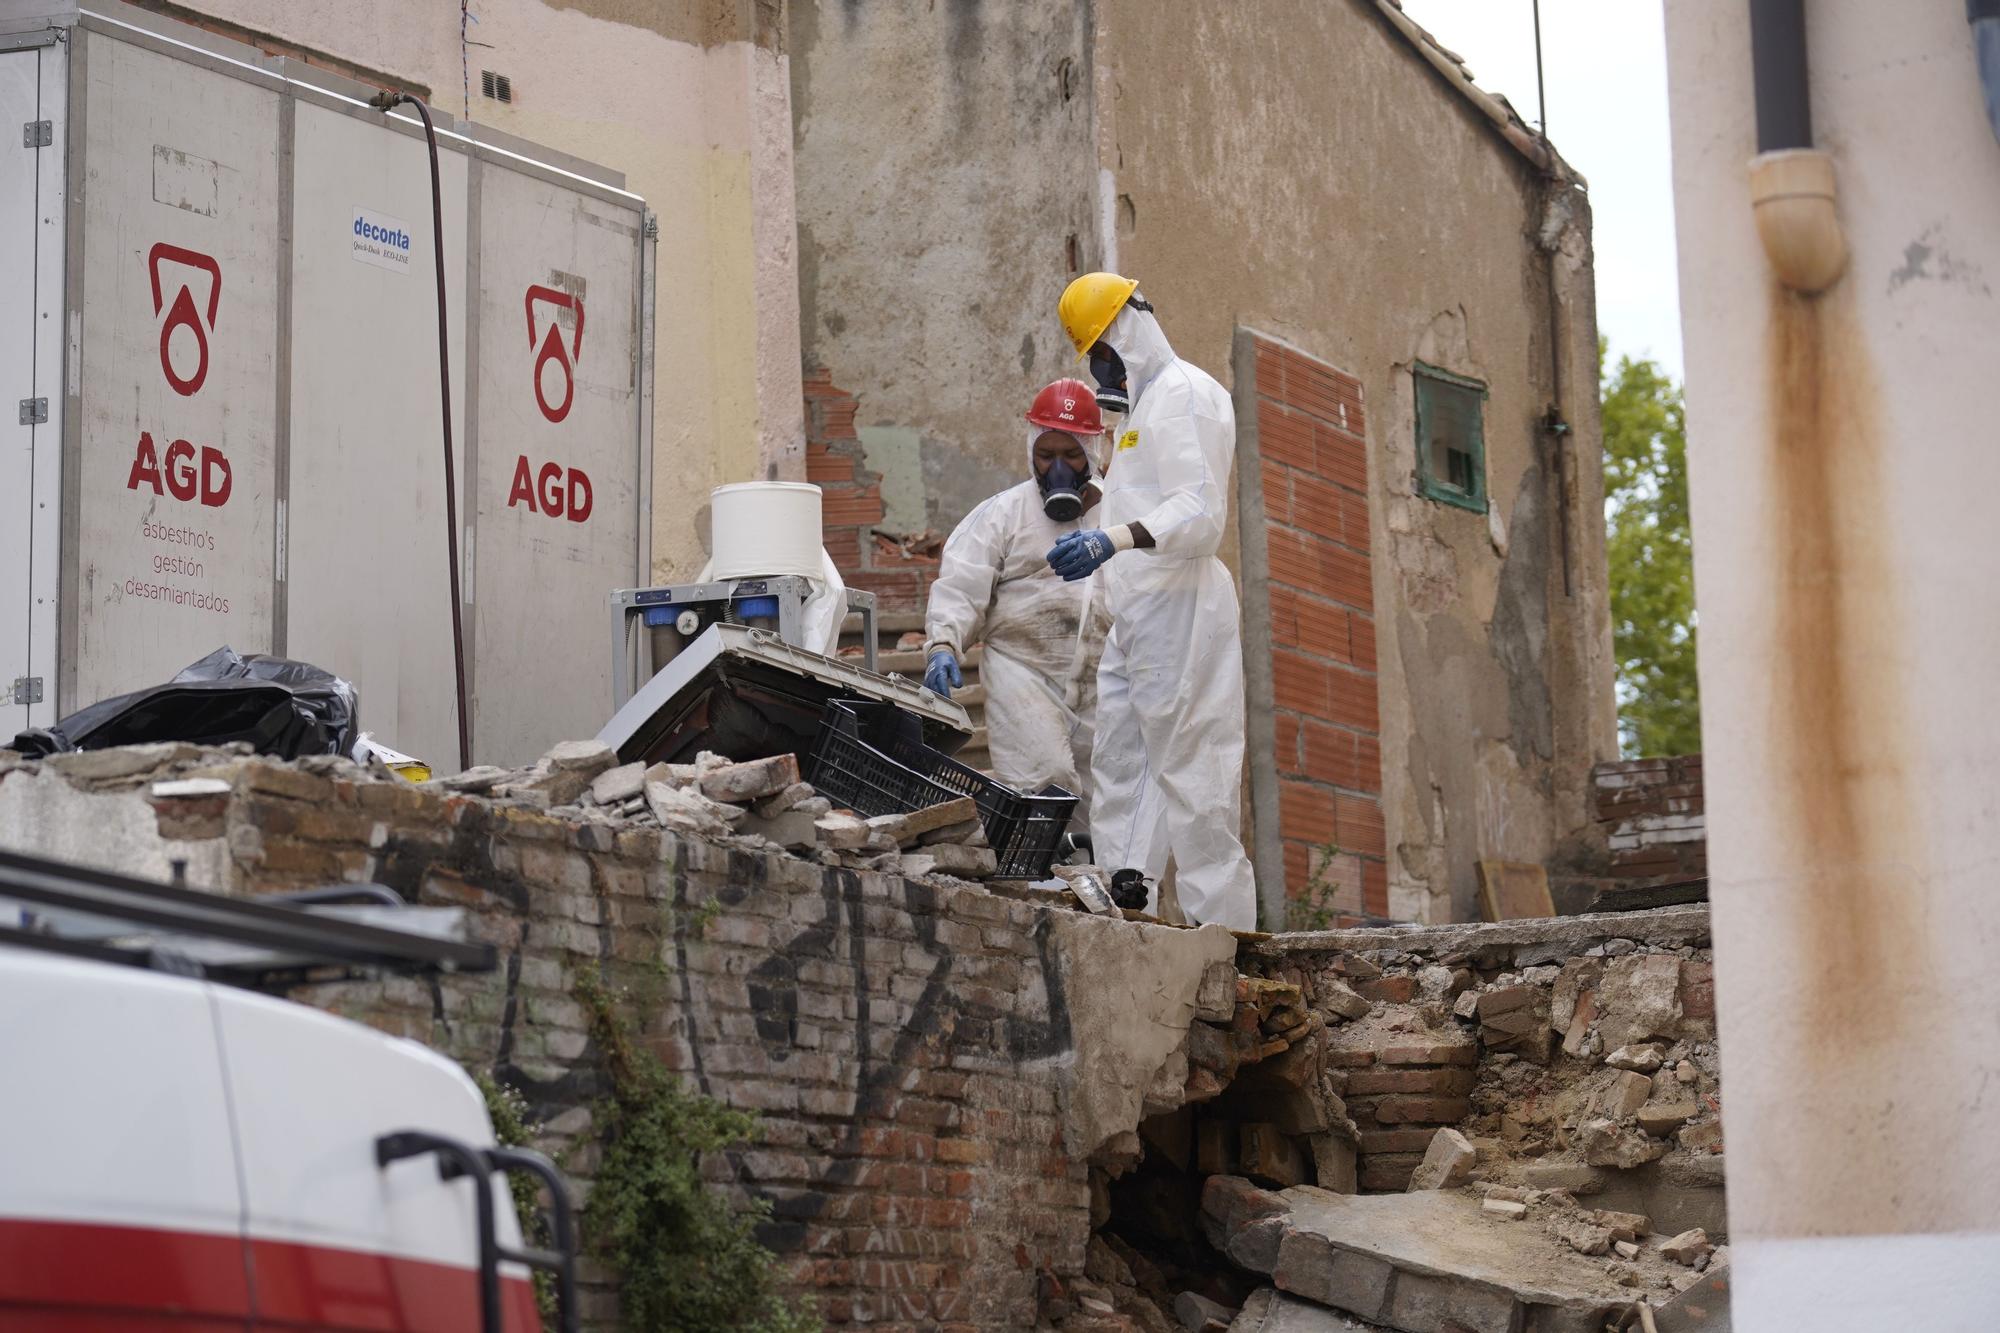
{"type": "Point", "coordinates": [1605, 71]}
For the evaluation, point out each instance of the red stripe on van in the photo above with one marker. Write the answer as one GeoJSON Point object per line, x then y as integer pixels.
{"type": "Point", "coordinates": [63, 1276]}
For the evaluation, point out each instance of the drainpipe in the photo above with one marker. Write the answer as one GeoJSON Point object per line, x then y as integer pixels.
{"type": "Point", "coordinates": [1791, 182]}
{"type": "Point", "coordinates": [1984, 16]}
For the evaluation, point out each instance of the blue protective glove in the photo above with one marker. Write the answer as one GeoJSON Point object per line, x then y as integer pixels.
{"type": "Point", "coordinates": [1077, 554]}
{"type": "Point", "coordinates": [941, 676]}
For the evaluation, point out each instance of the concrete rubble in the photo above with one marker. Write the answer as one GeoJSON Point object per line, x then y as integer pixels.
{"type": "Point", "coordinates": [758, 804]}
{"type": "Point", "coordinates": [1573, 1052]}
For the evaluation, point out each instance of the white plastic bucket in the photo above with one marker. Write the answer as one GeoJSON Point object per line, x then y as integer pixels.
{"type": "Point", "coordinates": [765, 528]}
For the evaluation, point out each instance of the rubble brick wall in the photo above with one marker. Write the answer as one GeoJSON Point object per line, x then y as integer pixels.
{"type": "Point", "coordinates": [1652, 814]}
{"type": "Point", "coordinates": [1311, 431]}
{"type": "Point", "coordinates": [910, 1045]}
{"type": "Point", "coordinates": [899, 574]}
{"type": "Point", "coordinates": [1575, 1052]}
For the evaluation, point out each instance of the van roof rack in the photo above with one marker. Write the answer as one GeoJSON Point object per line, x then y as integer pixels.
{"type": "Point", "coordinates": [272, 943]}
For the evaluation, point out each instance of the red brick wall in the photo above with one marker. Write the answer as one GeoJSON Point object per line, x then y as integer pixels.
{"type": "Point", "coordinates": [1311, 427]}
{"type": "Point", "coordinates": [868, 558]}
{"type": "Point", "coordinates": [903, 1042]}
{"type": "Point", "coordinates": [1653, 817]}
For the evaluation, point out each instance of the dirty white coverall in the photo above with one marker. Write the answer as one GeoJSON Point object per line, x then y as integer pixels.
{"type": "Point", "coordinates": [1168, 764]}
{"type": "Point", "coordinates": [1043, 637]}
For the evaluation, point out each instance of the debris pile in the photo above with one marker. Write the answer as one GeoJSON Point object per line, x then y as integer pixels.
{"type": "Point", "coordinates": [1545, 1093]}
{"type": "Point", "coordinates": [1578, 1060]}
{"type": "Point", "coordinates": [759, 805]}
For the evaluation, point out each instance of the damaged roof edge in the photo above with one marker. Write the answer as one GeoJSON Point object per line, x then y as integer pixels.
{"type": "Point", "coordinates": [1529, 144]}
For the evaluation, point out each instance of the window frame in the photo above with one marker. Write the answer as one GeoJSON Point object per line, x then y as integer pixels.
{"type": "Point", "coordinates": [1437, 488]}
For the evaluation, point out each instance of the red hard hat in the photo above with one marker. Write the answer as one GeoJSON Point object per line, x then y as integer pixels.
{"type": "Point", "coordinates": [1069, 405]}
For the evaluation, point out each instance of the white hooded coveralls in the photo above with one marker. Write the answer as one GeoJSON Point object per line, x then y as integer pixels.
{"type": "Point", "coordinates": [1043, 637]}
{"type": "Point", "coordinates": [1168, 764]}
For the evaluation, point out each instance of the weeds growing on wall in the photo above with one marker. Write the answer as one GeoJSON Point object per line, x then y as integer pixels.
{"type": "Point", "coordinates": [685, 1260]}
{"type": "Point", "coordinates": [1313, 907]}
{"type": "Point", "coordinates": [515, 1126]}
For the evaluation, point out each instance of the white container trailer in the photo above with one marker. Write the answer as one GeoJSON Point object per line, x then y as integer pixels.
{"type": "Point", "coordinates": [218, 316]}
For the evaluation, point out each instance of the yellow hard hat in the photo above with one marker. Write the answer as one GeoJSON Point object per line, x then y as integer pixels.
{"type": "Point", "coordinates": [1088, 306]}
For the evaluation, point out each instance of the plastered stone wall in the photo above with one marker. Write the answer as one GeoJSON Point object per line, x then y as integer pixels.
{"type": "Point", "coordinates": [1313, 177]}
{"type": "Point", "coordinates": [935, 1064]}
{"type": "Point", "coordinates": [1298, 169]}
{"type": "Point", "coordinates": [947, 190]}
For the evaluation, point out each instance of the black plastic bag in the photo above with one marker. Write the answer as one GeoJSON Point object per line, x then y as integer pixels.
{"type": "Point", "coordinates": [281, 707]}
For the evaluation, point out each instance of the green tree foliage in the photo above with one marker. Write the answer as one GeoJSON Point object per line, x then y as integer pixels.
{"type": "Point", "coordinates": [1652, 558]}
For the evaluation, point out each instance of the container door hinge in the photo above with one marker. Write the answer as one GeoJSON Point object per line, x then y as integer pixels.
{"type": "Point", "coordinates": [34, 411]}
{"type": "Point", "coordinates": [38, 133]}
{"type": "Point", "coordinates": [27, 689]}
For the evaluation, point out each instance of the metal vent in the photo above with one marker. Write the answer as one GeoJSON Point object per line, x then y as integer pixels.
{"type": "Point", "coordinates": [496, 86]}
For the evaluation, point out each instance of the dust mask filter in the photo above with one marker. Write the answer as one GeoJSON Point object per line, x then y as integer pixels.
{"type": "Point", "coordinates": [1062, 491]}
{"type": "Point", "coordinates": [1109, 371]}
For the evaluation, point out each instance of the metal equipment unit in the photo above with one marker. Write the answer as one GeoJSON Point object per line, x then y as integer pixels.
{"type": "Point", "coordinates": [222, 419]}
{"type": "Point", "coordinates": [748, 694]}
{"type": "Point", "coordinates": [676, 616]}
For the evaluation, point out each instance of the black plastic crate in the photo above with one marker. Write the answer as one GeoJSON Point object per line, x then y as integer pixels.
{"type": "Point", "coordinates": [871, 758]}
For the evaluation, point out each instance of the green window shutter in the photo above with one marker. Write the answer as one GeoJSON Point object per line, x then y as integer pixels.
{"type": "Point", "coordinates": [1451, 439]}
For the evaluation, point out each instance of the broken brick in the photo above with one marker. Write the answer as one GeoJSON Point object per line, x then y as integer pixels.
{"type": "Point", "coordinates": [1459, 1051]}
{"type": "Point", "coordinates": [752, 781]}
{"type": "Point", "coordinates": [1626, 1093]}
{"type": "Point", "coordinates": [1388, 990]}
{"type": "Point", "coordinates": [1689, 1247]}
{"type": "Point", "coordinates": [1448, 1161]}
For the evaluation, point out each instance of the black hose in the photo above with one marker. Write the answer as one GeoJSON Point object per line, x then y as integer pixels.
{"type": "Point", "coordinates": [1778, 60]}
{"type": "Point", "coordinates": [388, 101]}
{"type": "Point", "coordinates": [1553, 423]}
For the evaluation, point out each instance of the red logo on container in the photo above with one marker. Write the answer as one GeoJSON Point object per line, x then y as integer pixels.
{"type": "Point", "coordinates": [182, 314]}
{"type": "Point", "coordinates": [562, 493]}
{"type": "Point", "coordinates": [553, 349]}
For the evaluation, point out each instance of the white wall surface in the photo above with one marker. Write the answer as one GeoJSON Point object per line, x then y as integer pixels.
{"type": "Point", "coordinates": [1839, 451]}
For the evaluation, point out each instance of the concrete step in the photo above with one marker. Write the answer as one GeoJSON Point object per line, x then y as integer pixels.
{"type": "Point", "coordinates": [886, 622]}
{"type": "Point", "coordinates": [890, 626]}
{"type": "Point", "coordinates": [1423, 1261]}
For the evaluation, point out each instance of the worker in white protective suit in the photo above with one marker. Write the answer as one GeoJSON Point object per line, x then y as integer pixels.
{"type": "Point", "coordinates": [1042, 635]}
{"type": "Point", "coordinates": [1168, 762]}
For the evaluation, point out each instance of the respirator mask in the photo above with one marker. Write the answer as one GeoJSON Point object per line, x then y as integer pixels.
{"type": "Point", "coordinates": [1062, 491]}
{"type": "Point", "coordinates": [1109, 371]}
